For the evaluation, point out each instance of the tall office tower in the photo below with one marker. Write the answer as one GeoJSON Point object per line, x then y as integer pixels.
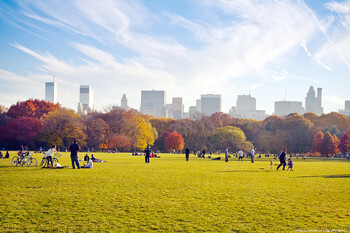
{"type": "Point", "coordinates": [177, 108]}
{"type": "Point", "coordinates": [198, 105]}
{"type": "Point", "coordinates": [192, 112]}
{"type": "Point", "coordinates": [284, 108]}
{"type": "Point", "coordinates": [245, 105]}
{"type": "Point", "coordinates": [210, 104]}
{"type": "Point", "coordinates": [51, 92]}
{"type": "Point", "coordinates": [347, 108]}
{"type": "Point", "coordinates": [319, 108]}
{"type": "Point", "coordinates": [313, 103]}
{"type": "Point", "coordinates": [153, 103]}
{"type": "Point", "coordinates": [86, 98]}
{"type": "Point", "coordinates": [233, 112]}
{"type": "Point", "coordinates": [124, 103]}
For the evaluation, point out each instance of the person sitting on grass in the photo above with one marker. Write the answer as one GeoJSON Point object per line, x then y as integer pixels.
{"type": "Point", "coordinates": [7, 155]}
{"type": "Point", "coordinates": [48, 155]}
{"type": "Point", "coordinates": [86, 157]}
{"type": "Point", "coordinates": [1, 156]}
{"type": "Point", "coordinates": [89, 163]}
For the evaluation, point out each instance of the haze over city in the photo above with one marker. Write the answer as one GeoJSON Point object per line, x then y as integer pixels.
{"type": "Point", "coordinates": [271, 49]}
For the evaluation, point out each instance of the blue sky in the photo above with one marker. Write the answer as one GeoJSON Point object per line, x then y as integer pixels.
{"type": "Point", "coordinates": [187, 48]}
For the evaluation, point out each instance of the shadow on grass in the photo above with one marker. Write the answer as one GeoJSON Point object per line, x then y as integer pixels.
{"type": "Point", "coordinates": [261, 170]}
{"type": "Point", "coordinates": [330, 176]}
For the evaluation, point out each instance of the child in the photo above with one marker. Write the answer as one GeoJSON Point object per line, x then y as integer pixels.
{"type": "Point", "coordinates": [271, 163]}
{"type": "Point", "coordinates": [290, 164]}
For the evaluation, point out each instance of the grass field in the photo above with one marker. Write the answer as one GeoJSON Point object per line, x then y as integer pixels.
{"type": "Point", "coordinates": [170, 194]}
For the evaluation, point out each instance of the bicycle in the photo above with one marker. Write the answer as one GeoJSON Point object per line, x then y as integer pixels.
{"type": "Point", "coordinates": [44, 161]}
{"type": "Point", "coordinates": [31, 161]}
{"type": "Point", "coordinates": [19, 160]}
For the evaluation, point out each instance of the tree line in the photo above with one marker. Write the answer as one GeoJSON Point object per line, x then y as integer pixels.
{"type": "Point", "coordinates": [37, 123]}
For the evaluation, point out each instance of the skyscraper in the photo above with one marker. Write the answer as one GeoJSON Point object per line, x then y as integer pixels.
{"type": "Point", "coordinates": [245, 105]}
{"type": "Point", "coordinates": [86, 99]}
{"type": "Point", "coordinates": [153, 103]}
{"type": "Point", "coordinates": [51, 92]}
{"type": "Point", "coordinates": [177, 108]}
{"type": "Point", "coordinates": [124, 102]}
{"type": "Point", "coordinates": [210, 104]}
{"type": "Point", "coordinates": [347, 108]}
{"type": "Point", "coordinates": [283, 108]}
{"type": "Point", "coordinates": [313, 103]}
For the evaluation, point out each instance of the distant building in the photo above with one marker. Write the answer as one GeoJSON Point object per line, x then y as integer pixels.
{"type": "Point", "coordinates": [233, 112]}
{"type": "Point", "coordinates": [313, 103]}
{"type": "Point", "coordinates": [258, 115]}
{"type": "Point", "coordinates": [198, 105]}
{"type": "Point", "coordinates": [177, 108]}
{"type": "Point", "coordinates": [86, 99]}
{"type": "Point", "coordinates": [51, 92]}
{"type": "Point", "coordinates": [124, 102]}
{"type": "Point", "coordinates": [347, 108]}
{"type": "Point", "coordinates": [192, 112]}
{"type": "Point", "coordinates": [210, 104]}
{"type": "Point", "coordinates": [245, 105]}
{"type": "Point", "coordinates": [284, 108]}
{"type": "Point", "coordinates": [153, 103]}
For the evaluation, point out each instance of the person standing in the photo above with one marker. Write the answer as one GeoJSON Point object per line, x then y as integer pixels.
{"type": "Point", "coordinates": [252, 154]}
{"type": "Point", "coordinates": [282, 157]}
{"type": "Point", "coordinates": [147, 154]}
{"type": "Point", "coordinates": [240, 155]}
{"type": "Point", "coordinates": [203, 153]}
{"type": "Point", "coordinates": [226, 154]}
{"type": "Point", "coordinates": [187, 153]}
{"type": "Point", "coordinates": [74, 148]}
{"type": "Point", "coordinates": [48, 155]}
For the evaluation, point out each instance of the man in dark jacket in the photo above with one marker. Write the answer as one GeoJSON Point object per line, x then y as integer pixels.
{"type": "Point", "coordinates": [187, 153]}
{"type": "Point", "coordinates": [147, 154]}
{"type": "Point", "coordinates": [282, 156]}
{"type": "Point", "coordinates": [74, 148]}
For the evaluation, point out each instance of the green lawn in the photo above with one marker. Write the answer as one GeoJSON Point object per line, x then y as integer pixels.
{"type": "Point", "coordinates": [170, 194]}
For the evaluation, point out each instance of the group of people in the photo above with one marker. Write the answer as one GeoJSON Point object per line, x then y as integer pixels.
{"type": "Point", "coordinates": [7, 155]}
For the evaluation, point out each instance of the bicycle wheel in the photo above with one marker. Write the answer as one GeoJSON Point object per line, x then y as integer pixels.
{"type": "Point", "coordinates": [33, 162]}
{"type": "Point", "coordinates": [14, 161]}
{"type": "Point", "coordinates": [54, 162]}
{"type": "Point", "coordinates": [23, 161]}
{"type": "Point", "coordinates": [43, 162]}
{"type": "Point", "coordinates": [28, 162]}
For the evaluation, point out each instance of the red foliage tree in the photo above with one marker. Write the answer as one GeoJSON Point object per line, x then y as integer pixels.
{"type": "Point", "coordinates": [174, 141]}
{"type": "Point", "coordinates": [20, 131]}
{"type": "Point", "coordinates": [317, 145]}
{"type": "Point", "coordinates": [344, 144]}
{"type": "Point", "coordinates": [120, 142]}
{"type": "Point", "coordinates": [329, 145]}
{"type": "Point", "coordinates": [31, 108]}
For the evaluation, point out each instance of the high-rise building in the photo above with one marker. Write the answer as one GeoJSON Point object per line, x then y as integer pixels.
{"type": "Point", "coordinates": [51, 92]}
{"type": "Point", "coordinates": [245, 105]}
{"type": "Point", "coordinates": [124, 102]}
{"type": "Point", "coordinates": [192, 112]}
{"type": "Point", "coordinates": [284, 108]}
{"type": "Point", "coordinates": [86, 99]}
{"type": "Point", "coordinates": [153, 103]}
{"type": "Point", "coordinates": [210, 104]}
{"type": "Point", "coordinates": [198, 105]}
{"type": "Point", "coordinates": [313, 103]}
{"type": "Point", "coordinates": [177, 108]}
{"type": "Point", "coordinates": [347, 108]}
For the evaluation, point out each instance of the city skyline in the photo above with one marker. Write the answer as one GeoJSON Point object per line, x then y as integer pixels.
{"type": "Point", "coordinates": [187, 48]}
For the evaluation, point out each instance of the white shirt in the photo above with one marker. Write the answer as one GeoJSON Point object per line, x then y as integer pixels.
{"type": "Point", "coordinates": [252, 152]}
{"type": "Point", "coordinates": [89, 164]}
{"type": "Point", "coordinates": [240, 153]}
{"type": "Point", "coordinates": [50, 152]}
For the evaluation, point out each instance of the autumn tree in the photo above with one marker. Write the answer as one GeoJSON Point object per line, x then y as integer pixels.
{"type": "Point", "coordinates": [230, 136]}
{"type": "Point", "coordinates": [317, 145]}
{"type": "Point", "coordinates": [96, 130]}
{"type": "Point", "coordinates": [61, 127]}
{"type": "Point", "coordinates": [31, 108]}
{"type": "Point", "coordinates": [329, 145]}
{"type": "Point", "coordinates": [174, 141]}
{"type": "Point", "coordinates": [20, 131]}
{"type": "Point", "coordinates": [344, 143]}
{"type": "Point", "coordinates": [120, 142]}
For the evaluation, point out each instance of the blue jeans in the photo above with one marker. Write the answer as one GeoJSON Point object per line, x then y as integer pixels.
{"type": "Point", "coordinates": [252, 158]}
{"type": "Point", "coordinates": [75, 160]}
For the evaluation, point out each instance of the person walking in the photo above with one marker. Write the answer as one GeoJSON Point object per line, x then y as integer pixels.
{"type": "Point", "coordinates": [74, 148]}
{"type": "Point", "coordinates": [282, 157]}
{"type": "Point", "coordinates": [252, 155]}
{"type": "Point", "coordinates": [187, 153]}
{"type": "Point", "coordinates": [226, 154]}
{"type": "Point", "coordinates": [147, 154]}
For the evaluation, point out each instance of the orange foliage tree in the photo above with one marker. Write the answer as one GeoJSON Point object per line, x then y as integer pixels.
{"type": "Point", "coordinates": [31, 108]}
{"type": "Point", "coordinates": [174, 141]}
{"type": "Point", "coordinates": [329, 145]}
{"type": "Point", "coordinates": [317, 145]}
{"type": "Point", "coordinates": [120, 142]}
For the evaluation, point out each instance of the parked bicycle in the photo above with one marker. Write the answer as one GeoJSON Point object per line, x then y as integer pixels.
{"type": "Point", "coordinates": [19, 160]}
{"type": "Point", "coordinates": [31, 161]}
{"type": "Point", "coordinates": [44, 161]}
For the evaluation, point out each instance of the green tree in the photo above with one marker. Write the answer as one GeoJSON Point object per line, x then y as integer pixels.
{"type": "Point", "coordinates": [230, 136]}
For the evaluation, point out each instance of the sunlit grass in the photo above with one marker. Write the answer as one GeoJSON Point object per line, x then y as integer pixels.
{"type": "Point", "coordinates": [170, 194]}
